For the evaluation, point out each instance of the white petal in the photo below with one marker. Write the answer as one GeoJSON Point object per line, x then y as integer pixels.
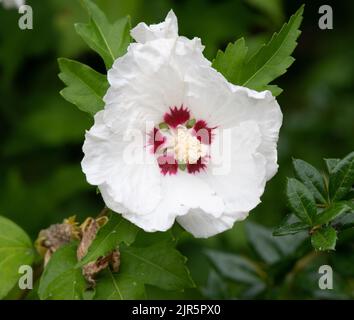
{"type": "Point", "coordinates": [266, 111]}
{"type": "Point", "coordinates": [136, 186]}
{"type": "Point", "coordinates": [180, 193]}
{"type": "Point", "coordinates": [240, 177]}
{"type": "Point", "coordinates": [127, 171]}
{"type": "Point", "coordinates": [193, 192]}
{"type": "Point", "coordinates": [163, 216]}
{"type": "Point", "coordinates": [203, 225]}
{"type": "Point", "coordinates": [149, 80]}
{"type": "Point", "coordinates": [225, 105]}
{"type": "Point", "coordinates": [109, 200]}
{"type": "Point", "coordinates": [168, 29]}
{"type": "Point", "coordinates": [101, 150]}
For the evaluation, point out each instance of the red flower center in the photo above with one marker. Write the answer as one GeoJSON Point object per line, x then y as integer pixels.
{"type": "Point", "coordinates": [181, 142]}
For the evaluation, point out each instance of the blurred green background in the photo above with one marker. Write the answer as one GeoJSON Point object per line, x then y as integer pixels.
{"type": "Point", "coordinates": [41, 134]}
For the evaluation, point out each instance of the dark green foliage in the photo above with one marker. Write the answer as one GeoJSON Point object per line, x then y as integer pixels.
{"type": "Point", "coordinates": [321, 218]}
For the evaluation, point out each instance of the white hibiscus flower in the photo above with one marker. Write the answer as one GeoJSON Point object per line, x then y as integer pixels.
{"type": "Point", "coordinates": [165, 80]}
{"type": "Point", "coordinates": [8, 4]}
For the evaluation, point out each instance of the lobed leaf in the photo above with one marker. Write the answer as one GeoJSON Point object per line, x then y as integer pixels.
{"type": "Point", "coordinates": [231, 62]}
{"type": "Point", "coordinates": [85, 86]}
{"type": "Point", "coordinates": [268, 63]}
{"type": "Point", "coordinates": [110, 41]}
{"type": "Point", "coordinates": [274, 58]}
{"type": "Point", "coordinates": [159, 265]}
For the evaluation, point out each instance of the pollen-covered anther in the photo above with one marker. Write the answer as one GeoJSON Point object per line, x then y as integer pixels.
{"type": "Point", "coordinates": [188, 148]}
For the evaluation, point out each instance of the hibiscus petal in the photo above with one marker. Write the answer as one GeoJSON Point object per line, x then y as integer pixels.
{"type": "Point", "coordinates": [203, 225]}
{"type": "Point", "coordinates": [167, 29]}
{"type": "Point", "coordinates": [225, 105]}
{"type": "Point", "coordinates": [239, 176]}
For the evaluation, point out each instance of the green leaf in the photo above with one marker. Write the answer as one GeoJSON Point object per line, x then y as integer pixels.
{"type": "Point", "coordinates": [311, 178]}
{"type": "Point", "coordinates": [275, 90]}
{"type": "Point", "coordinates": [345, 221]}
{"type": "Point", "coordinates": [293, 228]}
{"type": "Point", "coordinates": [15, 250]}
{"type": "Point", "coordinates": [85, 86]}
{"type": "Point", "coordinates": [350, 204]}
{"type": "Point", "coordinates": [160, 265]}
{"type": "Point", "coordinates": [60, 279]}
{"type": "Point", "coordinates": [333, 212]}
{"type": "Point", "coordinates": [216, 287]}
{"type": "Point", "coordinates": [234, 267]}
{"type": "Point", "coordinates": [269, 248]}
{"type": "Point", "coordinates": [118, 286]}
{"type": "Point", "coordinates": [230, 63]}
{"type": "Point", "coordinates": [110, 41]}
{"type": "Point", "coordinates": [324, 239]}
{"type": "Point", "coordinates": [301, 201]}
{"type": "Point", "coordinates": [342, 178]}
{"type": "Point", "coordinates": [274, 58]}
{"type": "Point", "coordinates": [113, 233]}
{"type": "Point", "coordinates": [331, 163]}
{"type": "Point", "coordinates": [171, 236]}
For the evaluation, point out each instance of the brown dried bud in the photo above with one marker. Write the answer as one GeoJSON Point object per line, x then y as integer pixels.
{"type": "Point", "coordinates": [51, 239]}
{"type": "Point", "coordinates": [57, 235]}
{"type": "Point", "coordinates": [91, 269]}
{"type": "Point", "coordinates": [89, 231]}
{"type": "Point", "coordinates": [115, 260]}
